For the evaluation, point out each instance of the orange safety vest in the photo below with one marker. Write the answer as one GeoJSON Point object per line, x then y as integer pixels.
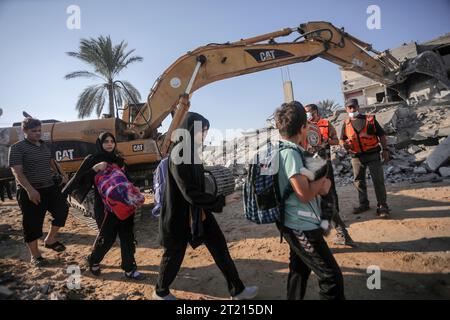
{"type": "Point", "coordinates": [362, 141]}
{"type": "Point", "coordinates": [324, 126]}
{"type": "Point", "coordinates": [318, 132]}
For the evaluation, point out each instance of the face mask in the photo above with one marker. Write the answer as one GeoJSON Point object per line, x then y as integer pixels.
{"type": "Point", "coordinates": [353, 114]}
{"type": "Point", "coordinates": [309, 116]}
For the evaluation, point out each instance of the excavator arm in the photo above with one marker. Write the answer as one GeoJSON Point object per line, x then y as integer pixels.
{"type": "Point", "coordinates": [215, 62]}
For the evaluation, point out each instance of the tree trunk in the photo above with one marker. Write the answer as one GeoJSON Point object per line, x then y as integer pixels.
{"type": "Point", "coordinates": [111, 99]}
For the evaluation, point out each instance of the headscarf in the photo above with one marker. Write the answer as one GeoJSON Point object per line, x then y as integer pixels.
{"type": "Point", "coordinates": [102, 155]}
{"type": "Point", "coordinates": [81, 183]}
{"type": "Point", "coordinates": [192, 123]}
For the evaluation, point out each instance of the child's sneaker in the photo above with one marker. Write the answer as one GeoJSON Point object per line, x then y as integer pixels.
{"type": "Point", "coordinates": [167, 297]}
{"type": "Point", "coordinates": [248, 294]}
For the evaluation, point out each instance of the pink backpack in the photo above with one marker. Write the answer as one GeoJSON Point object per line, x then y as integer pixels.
{"type": "Point", "coordinates": [118, 194]}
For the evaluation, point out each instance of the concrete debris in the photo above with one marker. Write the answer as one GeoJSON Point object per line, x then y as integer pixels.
{"type": "Point", "coordinates": [417, 139]}
{"type": "Point", "coordinates": [423, 155]}
{"type": "Point", "coordinates": [440, 156]}
{"type": "Point", "coordinates": [420, 170]}
{"type": "Point", "coordinates": [444, 171]}
{"type": "Point", "coordinates": [414, 149]}
{"type": "Point", "coordinates": [430, 177]}
{"type": "Point", "coordinates": [388, 120]}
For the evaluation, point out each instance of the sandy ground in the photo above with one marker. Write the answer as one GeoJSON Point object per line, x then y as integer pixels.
{"type": "Point", "coordinates": [412, 250]}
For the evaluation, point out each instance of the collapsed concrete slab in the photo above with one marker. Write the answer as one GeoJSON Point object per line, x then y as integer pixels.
{"type": "Point", "coordinates": [423, 155]}
{"type": "Point", "coordinates": [439, 156]}
{"type": "Point", "coordinates": [444, 171]}
{"type": "Point", "coordinates": [444, 132]}
{"type": "Point", "coordinates": [430, 177]}
{"type": "Point", "coordinates": [388, 120]}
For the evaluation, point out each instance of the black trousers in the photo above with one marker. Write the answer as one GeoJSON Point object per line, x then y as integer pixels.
{"type": "Point", "coordinates": [34, 215]}
{"type": "Point", "coordinates": [330, 202]}
{"type": "Point", "coordinates": [360, 165]}
{"type": "Point", "coordinates": [112, 227]}
{"type": "Point", "coordinates": [215, 242]}
{"type": "Point", "coordinates": [4, 184]}
{"type": "Point", "coordinates": [309, 252]}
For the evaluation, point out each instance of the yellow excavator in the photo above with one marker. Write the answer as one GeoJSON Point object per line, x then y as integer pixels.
{"type": "Point", "coordinates": [137, 136]}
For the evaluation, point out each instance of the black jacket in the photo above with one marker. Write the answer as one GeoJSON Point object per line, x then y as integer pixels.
{"type": "Point", "coordinates": [185, 197]}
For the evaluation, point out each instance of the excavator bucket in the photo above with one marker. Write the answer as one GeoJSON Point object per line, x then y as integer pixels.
{"type": "Point", "coordinates": [421, 78]}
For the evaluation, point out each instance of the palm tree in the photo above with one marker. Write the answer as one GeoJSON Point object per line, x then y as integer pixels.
{"type": "Point", "coordinates": [328, 106]}
{"type": "Point", "coordinates": [108, 61]}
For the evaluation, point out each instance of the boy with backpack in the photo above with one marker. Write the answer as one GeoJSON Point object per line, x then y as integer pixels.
{"type": "Point", "coordinates": [301, 227]}
{"type": "Point", "coordinates": [290, 198]}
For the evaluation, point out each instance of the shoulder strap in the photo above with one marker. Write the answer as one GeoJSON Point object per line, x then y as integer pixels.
{"type": "Point", "coordinates": [288, 190]}
{"type": "Point", "coordinates": [284, 146]}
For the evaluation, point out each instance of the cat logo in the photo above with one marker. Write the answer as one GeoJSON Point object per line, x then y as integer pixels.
{"type": "Point", "coordinates": [64, 155]}
{"type": "Point", "coordinates": [138, 147]}
{"type": "Point", "coordinates": [265, 55]}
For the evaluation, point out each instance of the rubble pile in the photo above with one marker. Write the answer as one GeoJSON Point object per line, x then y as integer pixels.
{"type": "Point", "coordinates": [417, 139]}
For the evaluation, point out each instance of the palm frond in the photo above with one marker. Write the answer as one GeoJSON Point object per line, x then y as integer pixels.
{"type": "Point", "coordinates": [85, 74]}
{"type": "Point", "coordinates": [87, 100]}
{"type": "Point", "coordinates": [100, 101]}
{"type": "Point", "coordinates": [135, 95]}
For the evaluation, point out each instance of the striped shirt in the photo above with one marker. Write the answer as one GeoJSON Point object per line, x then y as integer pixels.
{"type": "Point", "coordinates": [35, 161]}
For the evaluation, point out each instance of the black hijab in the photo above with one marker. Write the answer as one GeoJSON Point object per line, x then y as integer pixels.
{"type": "Point", "coordinates": [186, 205]}
{"type": "Point", "coordinates": [81, 183]}
{"type": "Point", "coordinates": [104, 156]}
{"type": "Point", "coordinates": [192, 124]}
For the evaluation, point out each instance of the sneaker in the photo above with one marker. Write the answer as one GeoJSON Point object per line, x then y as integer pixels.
{"type": "Point", "coordinates": [170, 296]}
{"type": "Point", "coordinates": [135, 275]}
{"type": "Point", "coordinates": [361, 209]}
{"type": "Point", "coordinates": [343, 238]}
{"type": "Point", "coordinates": [248, 294]}
{"type": "Point", "coordinates": [383, 211]}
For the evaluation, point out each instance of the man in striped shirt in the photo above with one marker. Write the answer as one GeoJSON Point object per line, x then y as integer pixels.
{"type": "Point", "coordinates": [34, 168]}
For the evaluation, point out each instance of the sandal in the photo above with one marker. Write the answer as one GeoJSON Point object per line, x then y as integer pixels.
{"type": "Point", "coordinates": [38, 262]}
{"type": "Point", "coordinates": [93, 268]}
{"type": "Point", "coordinates": [56, 246]}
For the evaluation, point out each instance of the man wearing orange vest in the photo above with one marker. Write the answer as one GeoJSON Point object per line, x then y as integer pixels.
{"type": "Point", "coordinates": [362, 136]}
{"type": "Point", "coordinates": [321, 137]}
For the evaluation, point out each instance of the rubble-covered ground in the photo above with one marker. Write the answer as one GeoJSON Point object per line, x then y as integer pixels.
{"type": "Point", "coordinates": [413, 134]}
{"type": "Point", "coordinates": [412, 250]}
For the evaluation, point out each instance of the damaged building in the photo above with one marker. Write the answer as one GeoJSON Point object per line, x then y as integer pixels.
{"type": "Point", "coordinates": [369, 92]}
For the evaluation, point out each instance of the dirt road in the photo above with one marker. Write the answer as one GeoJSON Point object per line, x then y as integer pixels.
{"type": "Point", "coordinates": [412, 250]}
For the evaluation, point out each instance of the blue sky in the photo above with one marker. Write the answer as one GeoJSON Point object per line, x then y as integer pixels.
{"type": "Point", "coordinates": [34, 39]}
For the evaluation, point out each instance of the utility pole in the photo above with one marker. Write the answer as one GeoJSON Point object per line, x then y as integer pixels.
{"type": "Point", "coordinates": [287, 86]}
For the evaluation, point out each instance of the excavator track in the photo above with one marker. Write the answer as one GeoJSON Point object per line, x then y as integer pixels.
{"type": "Point", "coordinates": [218, 180]}
{"type": "Point", "coordinates": [84, 212]}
